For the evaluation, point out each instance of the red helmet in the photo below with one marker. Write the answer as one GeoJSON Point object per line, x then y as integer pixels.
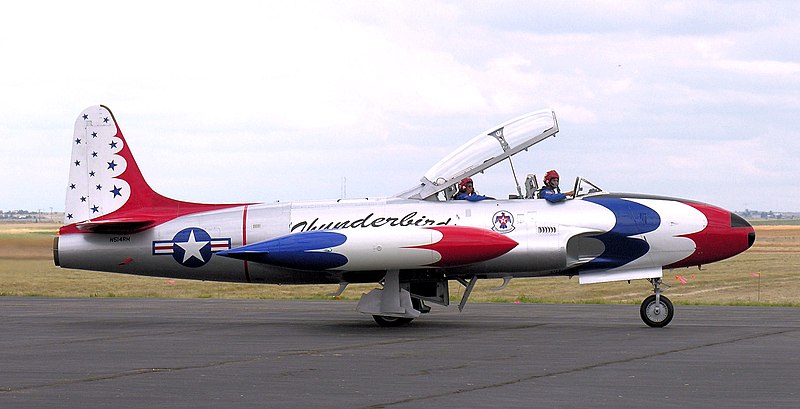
{"type": "Point", "coordinates": [551, 174]}
{"type": "Point", "coordinates": [463, 184]}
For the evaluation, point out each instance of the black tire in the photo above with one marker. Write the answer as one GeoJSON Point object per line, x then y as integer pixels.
{"type": "Point", "coordinates": [386, 321]}
{"type": "Point", "coordinates": [656, 316]}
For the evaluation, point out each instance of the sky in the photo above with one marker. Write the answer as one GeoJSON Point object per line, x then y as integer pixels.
{"type": "Point", "coordinates": [249, 101]}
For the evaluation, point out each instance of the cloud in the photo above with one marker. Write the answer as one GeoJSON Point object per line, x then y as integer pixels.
{"type": "Point", "coordinates": [273, 101]}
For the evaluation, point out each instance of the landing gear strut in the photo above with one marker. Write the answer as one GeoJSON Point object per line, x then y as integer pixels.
{"type": "Point", "coordinates": [656, 310]}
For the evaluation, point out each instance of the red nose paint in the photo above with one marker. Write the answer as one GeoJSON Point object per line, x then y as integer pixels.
{"type": "Point", "coordinates": [726, 235]}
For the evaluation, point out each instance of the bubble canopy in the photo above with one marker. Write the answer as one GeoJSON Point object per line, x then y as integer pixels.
{"type": "Point", "coordinates": [485, 150]}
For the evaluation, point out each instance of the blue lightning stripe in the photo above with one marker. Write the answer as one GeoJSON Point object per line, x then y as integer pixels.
{"type": "Point", "coordinates": [294, 251]}
{"type": "Point", "coordinates": [632, 219]}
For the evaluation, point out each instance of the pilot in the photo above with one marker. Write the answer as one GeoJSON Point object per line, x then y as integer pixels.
{"type": "Point", "coordinates": [550, 191]}
{"type": "Point", "coordinates": [466, 191]}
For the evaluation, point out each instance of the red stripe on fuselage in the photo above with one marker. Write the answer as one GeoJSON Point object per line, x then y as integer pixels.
{"type": "Point", "coordinates": [244, 242]}
{"type": "Point", "coordinates": [461, 245]}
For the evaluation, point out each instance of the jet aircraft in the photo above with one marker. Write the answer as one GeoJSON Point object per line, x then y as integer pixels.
{"type": "Point", "coordinates": [412, 244]}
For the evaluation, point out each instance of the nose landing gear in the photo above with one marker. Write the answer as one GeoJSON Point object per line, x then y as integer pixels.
{"type": "Point", "coordinates": [656, 310]}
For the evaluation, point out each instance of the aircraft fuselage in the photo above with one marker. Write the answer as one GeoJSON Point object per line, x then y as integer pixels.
{"type": "Point", "coordinates": [614, 233]}
{"type": "Point", "coordinates": [412, 244]}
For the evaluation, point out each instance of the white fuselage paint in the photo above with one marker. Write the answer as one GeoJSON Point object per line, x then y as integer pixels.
{"type": "Point", "coordinates": [554, 239]}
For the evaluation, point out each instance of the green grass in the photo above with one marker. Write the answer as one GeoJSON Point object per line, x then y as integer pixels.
{"type": "Point", "coordinates": [786, 222]}
{"type": "Point", "coordinates": [725, 283]}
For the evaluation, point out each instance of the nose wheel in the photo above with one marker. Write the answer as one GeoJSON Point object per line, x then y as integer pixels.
{"type": "Point", "coordinates": [656, 310]}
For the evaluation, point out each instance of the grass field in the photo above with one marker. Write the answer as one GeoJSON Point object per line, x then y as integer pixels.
{"type": "Point", "coordinates": [767, 274]}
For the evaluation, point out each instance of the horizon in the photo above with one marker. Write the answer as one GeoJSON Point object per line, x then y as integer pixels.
{"type": "Point", "coordinates": [738, 211]}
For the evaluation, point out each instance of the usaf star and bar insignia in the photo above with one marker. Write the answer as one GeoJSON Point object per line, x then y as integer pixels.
{"type": "Point", "coordinates": [191, 247]}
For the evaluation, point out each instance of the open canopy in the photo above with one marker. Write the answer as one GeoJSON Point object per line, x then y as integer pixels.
{"type": "Point", "coordinates": [490, 147]}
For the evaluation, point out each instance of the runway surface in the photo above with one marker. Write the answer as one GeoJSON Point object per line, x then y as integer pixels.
{"type": "Point", "coordinates": [257, 353]}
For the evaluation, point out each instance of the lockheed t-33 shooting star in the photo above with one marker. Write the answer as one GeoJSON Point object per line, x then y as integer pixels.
{"type": "Point", "coordinates": [412, 243]}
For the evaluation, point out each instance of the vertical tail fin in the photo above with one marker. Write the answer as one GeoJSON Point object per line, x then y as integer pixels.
{"type": "Point", "coordinates": [106, 191]}
{"type": "Point", "coordinates": [95, 187]}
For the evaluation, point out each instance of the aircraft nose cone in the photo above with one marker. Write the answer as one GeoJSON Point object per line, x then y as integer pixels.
{"type": "Point", "coordinates": [737, 222]}
{"type": "Point", "coordinates": [726, 235]}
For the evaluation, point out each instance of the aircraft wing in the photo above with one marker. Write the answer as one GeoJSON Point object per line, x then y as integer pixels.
{"type": "Point", "coordinates": [604, 276]}
{"type": "Point", "coordinates": [490, 147]}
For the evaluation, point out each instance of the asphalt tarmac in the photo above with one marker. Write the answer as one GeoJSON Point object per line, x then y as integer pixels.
{"type": "Point", "coordinates": [192, 353]}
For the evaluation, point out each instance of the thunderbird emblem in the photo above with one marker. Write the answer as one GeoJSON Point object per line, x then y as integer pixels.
{"type": "Point", "coordinates": [503, 222]}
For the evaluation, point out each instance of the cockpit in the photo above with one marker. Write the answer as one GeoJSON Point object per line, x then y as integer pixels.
{"type": "Point", "coordinates": [495, 145]}
{"type": "Point", "coordinates": [582, 187]}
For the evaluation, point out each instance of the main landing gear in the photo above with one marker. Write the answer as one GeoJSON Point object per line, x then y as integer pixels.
{"type": "Point", "coordinates": [656, 310]}
{"type": "Point", "coordinates": [400, 301]}
{"type": "Point", "coordinates": [387, 321]}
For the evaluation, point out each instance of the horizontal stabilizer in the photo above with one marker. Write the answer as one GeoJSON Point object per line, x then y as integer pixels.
{"type": "Point", "coordinates": [115, 226]}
